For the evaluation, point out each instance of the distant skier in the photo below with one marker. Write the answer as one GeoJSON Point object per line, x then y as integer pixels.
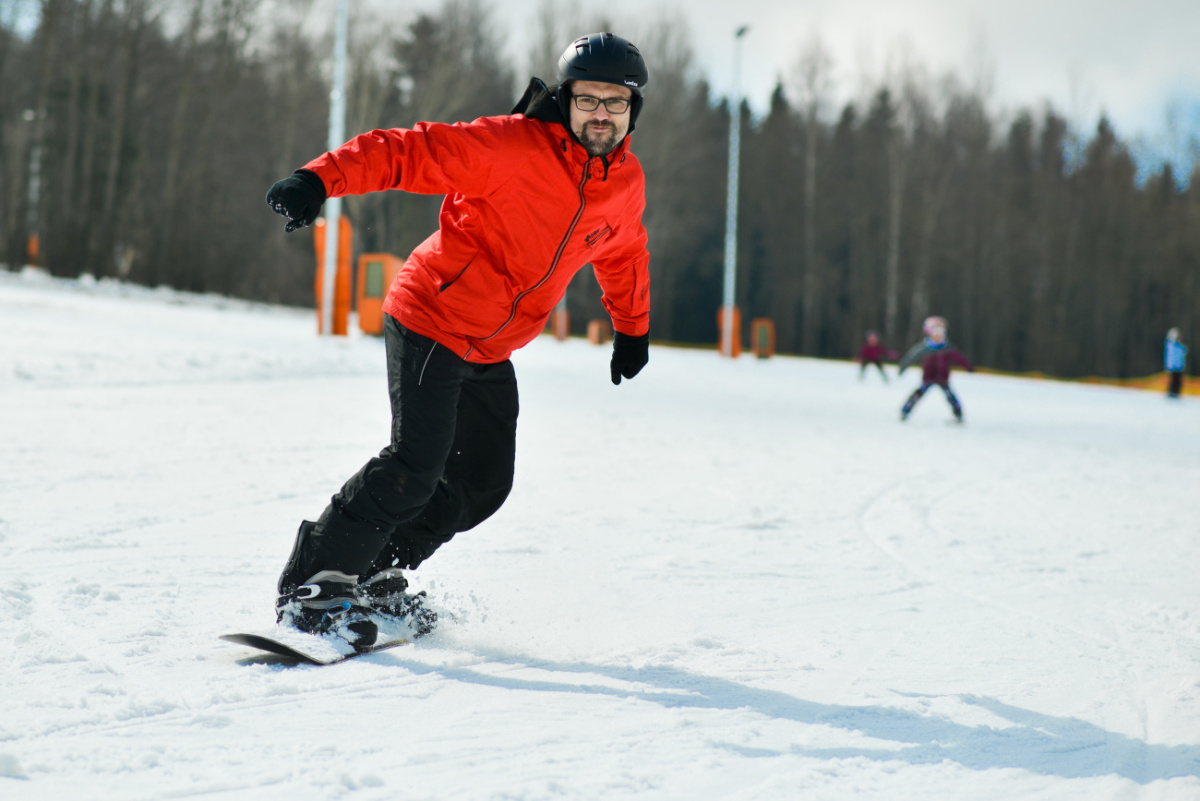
{"type": "Point", "coordinates": [1174, 359]}
{"type": "Point", "coordinates": [873, 352]}
{"type": "Point", "coordinates": [937, 356]}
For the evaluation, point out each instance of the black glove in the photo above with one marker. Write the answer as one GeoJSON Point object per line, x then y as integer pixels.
{"type": "Point", "coordinates": [298, 197]}
{"type": "Point", "coordinates": [630, 355]}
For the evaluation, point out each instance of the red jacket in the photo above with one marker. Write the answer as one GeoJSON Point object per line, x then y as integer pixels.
{"type": "Point", "coordinates": [525, 209]}
{"type": "Point", "coordinates": [873, 354]}
{"type": "Point", "coordinates": [935, 362]}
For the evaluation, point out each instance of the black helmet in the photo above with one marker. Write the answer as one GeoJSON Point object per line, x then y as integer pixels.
{"type": "Point", "coordinates": [606, 58]}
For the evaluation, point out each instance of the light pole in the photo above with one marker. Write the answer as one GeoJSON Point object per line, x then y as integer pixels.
{"type": "Point", "coordinates": [337, 136]}
{"type": "Point", "coordinates": [731, 198]}
{"type": "Point", "coordinates": [33, 218]}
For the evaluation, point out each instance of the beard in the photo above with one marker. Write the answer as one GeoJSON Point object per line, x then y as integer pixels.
{"type": "Point", "coordinates": [598, 138]}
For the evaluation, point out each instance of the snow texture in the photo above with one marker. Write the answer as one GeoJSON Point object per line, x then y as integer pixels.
{"type": "Point", "coordinates": [721, 580]}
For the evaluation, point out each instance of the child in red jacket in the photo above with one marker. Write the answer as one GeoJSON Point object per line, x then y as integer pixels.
{"type": "Point", "coordinates": [937, 356]}
{"type": "Point", "coordinates": [873, 352]}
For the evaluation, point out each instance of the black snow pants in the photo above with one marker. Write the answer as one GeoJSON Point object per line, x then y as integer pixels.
{"type": "Point", "coordinates": [1174, 383]}
{"type": "Point", "coordinates": [448, 468]}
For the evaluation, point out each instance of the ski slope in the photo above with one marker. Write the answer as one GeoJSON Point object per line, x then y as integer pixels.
{"type": "Point", "coordinates": [720, 580]}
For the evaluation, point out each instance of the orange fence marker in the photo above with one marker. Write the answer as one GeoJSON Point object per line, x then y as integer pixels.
{"type": "Point", "coordinates": [737, 331]}
{"type": "Point", "coordinates": [341, 289]}
{"type": "Point", "coordinates": [560, 324]}
{"type": "Point", "coordinates": [599, 331]}
{"type": "Point", "coordinates": [376, 272]}
{"type": "Point", "coordinates": [762, 334]}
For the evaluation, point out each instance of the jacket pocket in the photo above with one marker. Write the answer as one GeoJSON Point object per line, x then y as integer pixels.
{"type": "Point", "coordinates": [447, 284]}
{"type": "Point", "coordinates": [597, 236]}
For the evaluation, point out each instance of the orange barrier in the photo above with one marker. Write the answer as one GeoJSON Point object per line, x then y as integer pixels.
{"type": "Point", "coordinates": [341, 288]}
{"type": "Point", "coordinates": [560, 323]}
{"type": "Point", "coordinates": [737, 331]}
{"type": "Point", "coordinates": [599, 331]}
{"type": "Point", "coordinates": [375, 274]}
{"type": "Point", "coordinates": [762, 334]}
{"type": "Point", "coordinates": [1153, 383]}
{"type": "Point", "coordinates": [34, 249]}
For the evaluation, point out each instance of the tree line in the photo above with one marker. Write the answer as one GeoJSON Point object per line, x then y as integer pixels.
{"type": "Point", "coordinates": [138, 138]}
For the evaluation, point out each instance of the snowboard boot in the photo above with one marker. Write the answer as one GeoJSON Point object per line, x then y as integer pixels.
{"type": "Point", "coordinates": [327, 604]}
{"type": "Point", "coordinates": [385, 594]}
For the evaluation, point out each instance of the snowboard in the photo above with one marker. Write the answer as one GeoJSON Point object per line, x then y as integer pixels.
{"type": "Point", "coordinates": [308, 648]}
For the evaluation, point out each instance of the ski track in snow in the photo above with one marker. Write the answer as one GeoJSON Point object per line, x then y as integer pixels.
{"type": "Point", "coordinates": [734, 580]}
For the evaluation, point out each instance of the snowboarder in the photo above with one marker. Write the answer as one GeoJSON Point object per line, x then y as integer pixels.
{"type": "Point", "coordinates": [937, 356]}
{"type": "Point", "coordinates": [531, 197]}
{"type": "Point", "coordinates": [873, 352]}
{"type": "Point", "coordinates": [1174, 359]}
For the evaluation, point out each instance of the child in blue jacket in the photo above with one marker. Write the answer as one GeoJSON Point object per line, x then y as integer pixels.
{"type": "Point", "coordinates": [1174, 359]}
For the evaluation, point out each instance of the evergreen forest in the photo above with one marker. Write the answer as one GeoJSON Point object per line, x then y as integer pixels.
{"type": "Point", "coordinates": [138, 139]}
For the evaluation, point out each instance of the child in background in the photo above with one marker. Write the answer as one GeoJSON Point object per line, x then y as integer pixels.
{"type": "Point", "coordinates": [873, 352]}
{"type": "Point", "coordinates": [1174, 359]}
{"type": "Point", "coordinates": [937, 356]}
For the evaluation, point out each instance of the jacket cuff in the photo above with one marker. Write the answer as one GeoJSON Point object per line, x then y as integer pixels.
{"type": "Point", "coordinates": [313, 181]}
{"type": "Point", "coordinates": [630, 339]}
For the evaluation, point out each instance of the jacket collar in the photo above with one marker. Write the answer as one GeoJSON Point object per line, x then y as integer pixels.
{"type": "Point", "coordinates": [539, 103]}
{"type": "Point", "coordinates": [547, 104]}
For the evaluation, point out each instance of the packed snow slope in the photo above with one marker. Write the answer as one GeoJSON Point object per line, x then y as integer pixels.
{"type": "Point", "coordinates": [720, 580]}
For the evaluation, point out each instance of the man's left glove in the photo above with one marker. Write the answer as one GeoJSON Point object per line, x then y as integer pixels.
{"type": "Point", "coordinates": [630, 355]}
{"type": "Point", "coordinates": [298, 197]}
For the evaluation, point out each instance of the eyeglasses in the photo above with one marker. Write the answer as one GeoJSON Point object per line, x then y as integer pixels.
{"type": "Point", "coordinates": [613, 105]}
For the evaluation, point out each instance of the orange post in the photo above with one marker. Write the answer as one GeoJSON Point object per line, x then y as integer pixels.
{"type": "Point", "coordinates": [762, 334]}
{"type": "Point", "coordinates": [34, 249]}
{"type": "Point", "coordinates": [560, 323]}
{"type": "Point", "coordinates": [375, 274]}
{"type": "Point", "coordinates": [599, 331]}
{"type": "Point", "coordinates": [737, 331]}
{"type": "Point", "coordinates": [341, 289]}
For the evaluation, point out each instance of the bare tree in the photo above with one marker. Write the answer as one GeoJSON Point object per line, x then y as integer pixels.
{"type": "Point", "coordinates": [52, 12]}
{"type": "Point", "coordinates": [684, 195]}
{"type": "Point", "coordinates": [556, 23]}
{"type": "Point", "coordinates": [441, 51]}
{"type": "Point", "coordinates": [812, 84]}
{"type": "Point", "coordinates": [935, 158]}
{"type": "Point", "coordinates": [183, 98]}
{"type": "Point", "coordinates": [124, 83]}
{"type": "Point", "coordinates": [904, 80]}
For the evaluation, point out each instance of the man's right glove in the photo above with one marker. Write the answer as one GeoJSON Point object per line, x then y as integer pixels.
{"type": "Point", "coordinates": [630, 355]}
{"type": "Point", "coordinates": [298, 197]}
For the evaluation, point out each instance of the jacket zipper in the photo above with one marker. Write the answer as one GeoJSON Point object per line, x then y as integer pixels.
{"type": "Point", "coordinates": [553, 264]}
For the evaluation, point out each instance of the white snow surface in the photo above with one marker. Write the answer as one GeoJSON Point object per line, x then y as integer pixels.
{"type": "Point", "coordinates": [721, 580]}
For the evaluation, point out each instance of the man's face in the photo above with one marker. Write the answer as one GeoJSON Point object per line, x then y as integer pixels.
{"type": "Point", "coordinates": [601, 130]}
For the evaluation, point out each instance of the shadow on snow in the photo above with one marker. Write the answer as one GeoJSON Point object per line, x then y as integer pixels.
{"type": "Point", "coordinates": [1043, 744]}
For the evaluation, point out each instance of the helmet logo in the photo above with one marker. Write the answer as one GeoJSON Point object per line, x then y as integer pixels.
{"type": "Point", "coordinates": [631, 83]}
